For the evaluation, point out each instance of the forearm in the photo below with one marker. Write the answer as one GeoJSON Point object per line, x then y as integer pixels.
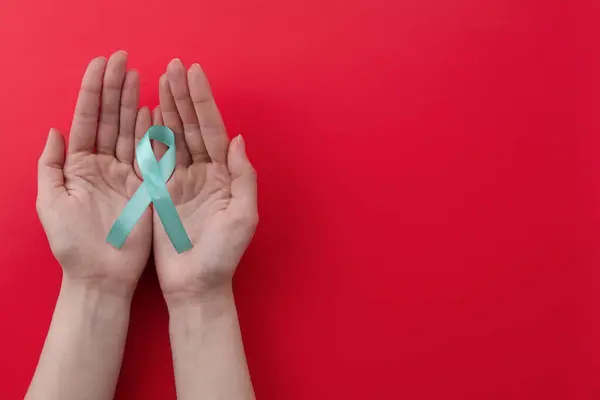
{"type": "Point", "coordinates": [82, 354]}
{"type": "Point", "coordinates": [207, 347]}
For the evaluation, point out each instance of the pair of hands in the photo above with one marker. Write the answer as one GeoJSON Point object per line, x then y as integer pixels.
{"type": "Point", "coordinates": [82, 191]}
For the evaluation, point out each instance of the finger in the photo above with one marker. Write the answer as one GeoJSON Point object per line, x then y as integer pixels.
{"type": "Point", "coordinates": [108, 127]}
{"type": "Point", "coordinates": [211, 124]}
{"type": "Point", "coordinates": [85, 121]}
{"type": "Point", "coordinates": [130, 99]}
{"type": "Point", "coordinates": [172, 120]}
{"type": "Point", "coordinates": [243, 183]}
{"type": "Point", "coordinates": [50, 166]}
{"type": "Point", "coordinates": [157, 119]}
{"type": "Point", "coordinates": [178, 83]}
{"type": "Point", "coordinates": [142, 124]}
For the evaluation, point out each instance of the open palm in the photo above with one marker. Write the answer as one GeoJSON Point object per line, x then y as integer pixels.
{"type": "Point", "coordinates": [213, 188]}
{"type": "Point", "coordinates": [81, 195]}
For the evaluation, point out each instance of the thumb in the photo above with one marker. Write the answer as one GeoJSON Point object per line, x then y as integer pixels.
{"type": "Point", "coordinates": [50, 166]}
{"type": "Point", "coordinates": [244, 183]}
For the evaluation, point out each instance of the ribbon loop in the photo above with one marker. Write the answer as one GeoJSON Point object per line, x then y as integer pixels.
{"type": "Point", "coordinates": [152, 190]}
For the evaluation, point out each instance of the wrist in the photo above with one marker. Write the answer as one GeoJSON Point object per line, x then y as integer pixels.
{"type": "Point", "coordinates": [94, 309]}
{"type": "Point", "coordinates": [182, 299]}
{"type": "Point", "coordinates": [100, 293]}
{"type": "Point", "coordinates": [191, 322]}
{"type": "Point", "coordinates": [209, 303]}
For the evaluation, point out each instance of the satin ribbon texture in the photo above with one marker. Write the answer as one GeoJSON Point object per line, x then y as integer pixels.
{"type": "Point", "coordinates": [152, 190]}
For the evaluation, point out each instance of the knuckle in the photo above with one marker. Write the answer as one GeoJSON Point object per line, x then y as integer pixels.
{"type": "Point", "coordinates": [202, 99]}
{"type": "Point", "coordinates": [255, 219]}
{"type": "Point", "coordinates": [246, 220]}
{"type": "Point", "coordinates": [40, 206]}
{"type": "Point", "coordinates": [92, 90]}
{"type": "Point", "coordinates": [252, 172]}
{"type": "Point", "coordinates": [251, 219]}
{"type": "Point", "coordinates": [85, 116]}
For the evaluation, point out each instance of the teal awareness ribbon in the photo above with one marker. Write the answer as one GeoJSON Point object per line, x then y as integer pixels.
{"type": "Point", "coordinates": [153, 190]}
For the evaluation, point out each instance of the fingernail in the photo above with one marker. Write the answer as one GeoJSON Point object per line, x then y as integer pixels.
{"type": "Point", "coordinates": [163, 80]}
{"type": "Point", "coordinates": [241, 142]}
{"type": "Point", "coordinates": [133, 75]}
{"type": "Point", "coordinates": [51, 132]}
{"type": "Point", "coordinates": [101, 59]}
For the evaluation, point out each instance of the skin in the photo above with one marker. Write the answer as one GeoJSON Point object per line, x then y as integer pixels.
{"type": "Point", "coordinates": [214, 189]}
{"type": "Point", "coordinates": [82, 193]}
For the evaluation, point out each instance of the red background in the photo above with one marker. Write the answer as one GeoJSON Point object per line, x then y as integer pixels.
{"type": "Point", "coordinates": [428, 189]}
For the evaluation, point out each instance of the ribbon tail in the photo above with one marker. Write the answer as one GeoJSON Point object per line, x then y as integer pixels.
{"type": "Point", "coordinates": [172, 223]}
{"type": "Point", "coordinates": [130, 216]}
